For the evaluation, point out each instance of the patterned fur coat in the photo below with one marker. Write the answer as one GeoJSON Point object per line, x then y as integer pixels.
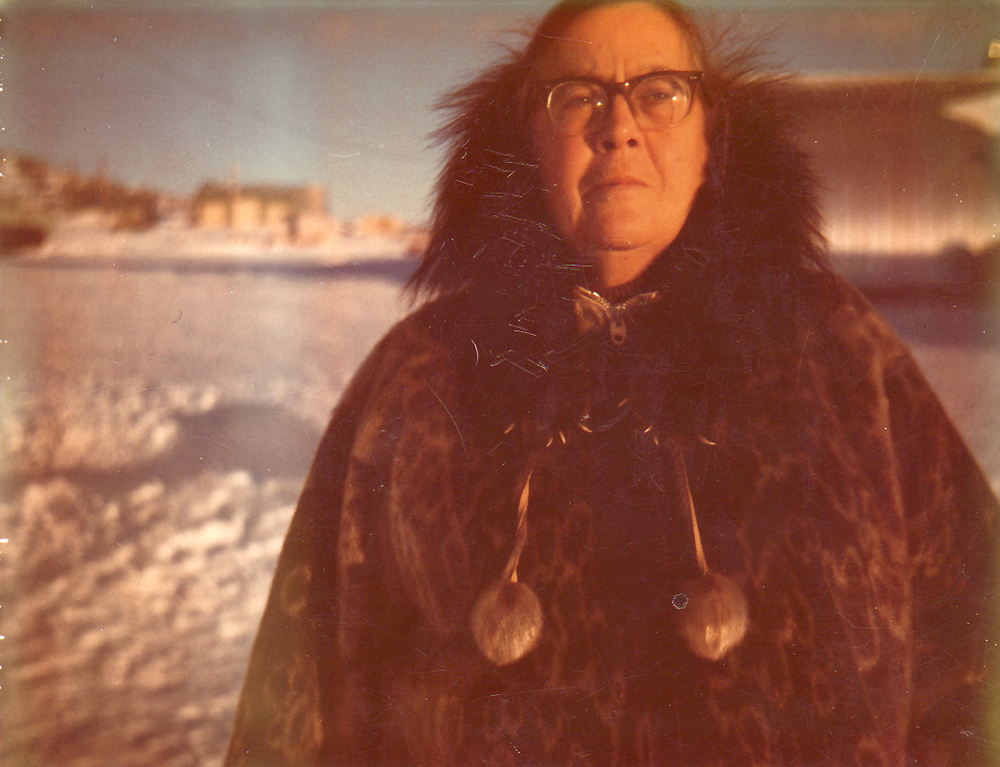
{"type": "Point", "coordinates": [828, 482]}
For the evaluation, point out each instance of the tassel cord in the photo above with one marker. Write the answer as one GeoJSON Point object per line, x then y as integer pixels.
{"type": "Point", "coordinates": [699, 551]}
{"type": "Point", "coordinates": [521, 533]}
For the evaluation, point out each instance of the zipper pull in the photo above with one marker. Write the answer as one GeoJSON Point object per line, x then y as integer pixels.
{"type": "Point", "coordinates": [616, 323]}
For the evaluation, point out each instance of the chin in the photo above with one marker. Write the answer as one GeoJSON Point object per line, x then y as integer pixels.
{"type": "Point", "coordinates": [621, 238]}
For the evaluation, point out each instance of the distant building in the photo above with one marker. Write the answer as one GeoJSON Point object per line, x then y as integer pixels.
{"type": "Point", "coordinates": [903, 168]}
{"type": "Point", "coordinates": [277, 210]}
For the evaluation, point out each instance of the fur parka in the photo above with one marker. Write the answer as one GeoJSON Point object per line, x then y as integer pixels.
{"type": "Point", "coordinates": [743, 379]}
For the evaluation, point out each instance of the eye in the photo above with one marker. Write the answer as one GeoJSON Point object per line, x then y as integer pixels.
{"type": "Point", "coordinates": [662, 98]}
{"type": "Point", "coordinates": [660, 89]}
{"type": "Point", "coordinates": [575, 96]}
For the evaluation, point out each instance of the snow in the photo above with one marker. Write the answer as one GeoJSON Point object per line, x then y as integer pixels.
{"type": "Point", "coordinates": [91, 235]}
{"type": "Point", "coordinates": [155, 429]}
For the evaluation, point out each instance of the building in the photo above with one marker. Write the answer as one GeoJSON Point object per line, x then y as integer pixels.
{"type": "Point", "coordinates": [276, 210]}
{"type": "Point", "coordinates": [905, 169]}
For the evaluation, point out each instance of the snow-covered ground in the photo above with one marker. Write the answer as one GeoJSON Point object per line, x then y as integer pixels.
{"type": "Point", "coordinates": [91, 235]}
{"type": "Point", "coordinates": [155, 429]}
{"type": "Point", "coordinates": [157, 418]}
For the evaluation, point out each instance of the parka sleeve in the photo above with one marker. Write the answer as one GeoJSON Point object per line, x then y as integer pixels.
{"type": "Point", "coordinates": [951, 535]}
{"type": "Point", "coordinates": [307, 697]}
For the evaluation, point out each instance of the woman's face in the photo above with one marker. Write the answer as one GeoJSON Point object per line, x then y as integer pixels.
{"type": "Point", "coordinates": [619, 194]}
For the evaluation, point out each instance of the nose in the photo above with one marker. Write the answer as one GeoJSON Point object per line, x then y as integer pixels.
{"type": "Point", "coordinates": [619, 128]}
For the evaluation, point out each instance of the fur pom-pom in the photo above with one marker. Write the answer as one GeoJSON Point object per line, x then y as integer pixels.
{"type": "Point", "coordinates": [506, 622]}
{"type": "Point", "coordinates": [712, 615]}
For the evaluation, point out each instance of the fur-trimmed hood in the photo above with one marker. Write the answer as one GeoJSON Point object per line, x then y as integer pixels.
{"type": "Point", "coordinates": [753, 225]}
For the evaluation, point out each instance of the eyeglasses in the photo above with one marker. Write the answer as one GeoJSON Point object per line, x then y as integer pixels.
{"type": "Point", "coordinates": [658, 100]}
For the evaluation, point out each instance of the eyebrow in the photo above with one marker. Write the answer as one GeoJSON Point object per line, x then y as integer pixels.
{"type": "Point", "coordinates": [603, 81]}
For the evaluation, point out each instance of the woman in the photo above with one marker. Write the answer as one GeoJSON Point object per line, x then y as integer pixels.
{"type": "Point", "coordinates": [645, 483]}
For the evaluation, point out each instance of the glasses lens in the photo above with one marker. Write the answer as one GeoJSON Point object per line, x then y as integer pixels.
{"type": "Point", "coordinates": [663, 101]}
{"type": "Point", "coordinates": [574, 105]}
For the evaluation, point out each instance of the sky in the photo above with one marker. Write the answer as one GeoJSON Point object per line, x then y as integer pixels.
{"type": "Point", "coordinates": [169, 95]}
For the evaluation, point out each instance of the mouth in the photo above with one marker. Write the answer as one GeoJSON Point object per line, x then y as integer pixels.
{"type": "Point", "coordinates": [612, 182]}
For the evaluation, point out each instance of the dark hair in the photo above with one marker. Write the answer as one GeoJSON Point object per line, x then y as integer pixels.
{"type": "Point", "coordinates": [563, 14]}
{"type": "Point", "coordinates": [490, 227]}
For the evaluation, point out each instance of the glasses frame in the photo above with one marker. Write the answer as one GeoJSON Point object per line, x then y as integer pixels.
{"type": "Point", "coordinates": [625, 88]}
